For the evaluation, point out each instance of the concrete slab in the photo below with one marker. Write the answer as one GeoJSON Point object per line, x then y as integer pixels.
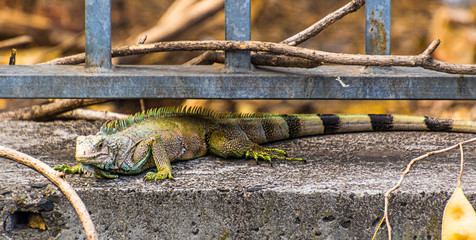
{"type": "Point", "coordinates": [337, 194]}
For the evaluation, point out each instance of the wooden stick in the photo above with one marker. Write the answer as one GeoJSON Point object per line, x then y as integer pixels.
{"type": "Point", "coordinates": [461, 164]}
{"type": "Point", "coordinates": [17, 41]}
{"type": "Point", "coordinates": [47, 110]}
{"type": "Point", "coordinates": [421, 60]}
{"type": "Point", "coordinates": [56, 178]}
{"type": "Point", "coordinates": [89, 114]}
{"type": "Point", "coordinates": [263, 59]}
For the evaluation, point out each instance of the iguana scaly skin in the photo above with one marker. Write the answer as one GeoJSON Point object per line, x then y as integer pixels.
{"type": "Point", "coordinates": [160, 136]}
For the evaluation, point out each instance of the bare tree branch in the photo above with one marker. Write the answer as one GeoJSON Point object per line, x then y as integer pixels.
{"type": "Point", "coordinates": [263, 59]}
{"type": "Point", "coordinates": [14, 42]}
{"type": "Point", "coordinates": [266, 59]}
{"type": "Point", "coordinates": [322, 24]}
{"type": "Point", "coordinates": [56, 178]}
{"type": "Point", "coordinates": [37, 112]}
{"type": "Point", "coordinates": [421, 60]}
{"type": "Point", "coordinates": [89, 114]}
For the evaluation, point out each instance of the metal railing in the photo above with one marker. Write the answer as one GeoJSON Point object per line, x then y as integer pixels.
{"type": "Point", "coordinates": [237, 79]}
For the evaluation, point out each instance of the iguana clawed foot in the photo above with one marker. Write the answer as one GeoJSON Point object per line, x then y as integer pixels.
{"type": "Point", "coordinates": [161, 174]}
{"type": "Point", "coordinates": [84, 169]}
{"type": "Point", "coordinates": [68, 169]}
{"type": "Point", "coordinates": [268, 154]}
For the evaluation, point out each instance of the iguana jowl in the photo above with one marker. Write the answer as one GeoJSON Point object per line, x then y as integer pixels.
{"type": "Point", "coordinates": [160, 136]}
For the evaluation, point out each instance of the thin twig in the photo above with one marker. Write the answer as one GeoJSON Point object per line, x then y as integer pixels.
{"type": "Point", "coordinates": [88, 114]}
{"type": "Point", "coordinates": [142, 39]}
{"type": "Point", "coordinates": [404, 173]}
{"type": "Point", "coordinates": [266, 59]}
{"type": "Point", "coordinates": [142, 104]}
{"type": "Point", "coordinates": [325, 22]}
{"type": "Point", "coordinates": [56, 178]}
{"type": "Point", "coordinates": [430, 49]}
{"type": "Point", "coordinates": [14, 42]}
{"type": "Point", "coordinates": [45, 111]}
{"type": "Point", "coordinates": [278, 48]}
{"type": "Point", "coordinates": [462, 164]}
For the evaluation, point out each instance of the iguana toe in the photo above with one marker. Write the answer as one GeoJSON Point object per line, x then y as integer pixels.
{"type": "Point", "coordinates": [68, 169]}
{"type": "Point", "coordinates": [268, 154]}
{"type": "Point", "coordinates": [159, 175]}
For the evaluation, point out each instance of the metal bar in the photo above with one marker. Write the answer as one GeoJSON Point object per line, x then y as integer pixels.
{"type": "Point", "coordinates": [377, 27]}
{"type": "Point", "coordinates": [98, 34]}
{"type": "Point", "coordinates": [325, 82]}
{"type": "Point", "coordinates": [237, 27]}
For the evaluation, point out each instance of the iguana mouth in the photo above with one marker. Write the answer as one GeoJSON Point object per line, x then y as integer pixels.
{"type": "Point", "coordinates": [88, 157]}
{"type": "Point", "coordinates": [84, 157]}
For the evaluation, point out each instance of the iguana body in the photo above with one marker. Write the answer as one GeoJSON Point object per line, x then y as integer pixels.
{"type": "Point", "coordinates": [160, 136]}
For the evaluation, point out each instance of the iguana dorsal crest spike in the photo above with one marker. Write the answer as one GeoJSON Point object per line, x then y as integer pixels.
{"type": "Point", "coordinates": [117, 125]}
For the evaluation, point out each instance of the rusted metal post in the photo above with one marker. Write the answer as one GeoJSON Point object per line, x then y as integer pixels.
{"type": "Point", "coordinates": [98, 34]}
{"type": "Point", "coordinates": [237, 27]}
{"type": "Point", "coordinates": [377, 27]}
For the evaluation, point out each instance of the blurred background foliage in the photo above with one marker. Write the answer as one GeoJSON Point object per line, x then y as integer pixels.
{"type": "Point", "coordinates": [48, 29]}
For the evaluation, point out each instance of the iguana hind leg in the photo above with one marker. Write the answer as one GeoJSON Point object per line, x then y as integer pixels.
{"type": "Point", "coordinates": [233, 143]}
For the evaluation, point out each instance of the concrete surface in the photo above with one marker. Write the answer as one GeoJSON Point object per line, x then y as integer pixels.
{"type": "Point", "coordinates": [337, 194]}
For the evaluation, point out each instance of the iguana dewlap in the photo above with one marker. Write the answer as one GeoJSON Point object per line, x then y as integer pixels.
{"type": "Point", "coordinates": [160, 136]}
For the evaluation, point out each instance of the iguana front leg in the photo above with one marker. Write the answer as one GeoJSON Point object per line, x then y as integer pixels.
{"type": "Point", "coordinates": [230, 142]}
{"type": "Point", "coordinates": [155, 146]}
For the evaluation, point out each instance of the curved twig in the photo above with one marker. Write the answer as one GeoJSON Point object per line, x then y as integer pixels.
{"type": "Point", "coordinates": [325, 22]}
{"type": "Point", "coordinates": [266, 59]}
{"type": "Point", "coordinates": [56, 178]}
{"type": "Point", "coordinates": [405, 172]}
{"type": "Point", "coordinates": [420, 60]}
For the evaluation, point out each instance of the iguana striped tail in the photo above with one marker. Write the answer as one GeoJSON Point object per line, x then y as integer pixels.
{"type": "Point", "coordinates": [270, 128]}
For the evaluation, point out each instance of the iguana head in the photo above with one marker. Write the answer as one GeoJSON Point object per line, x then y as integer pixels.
{"type": "Point", "coordinates": [102, 152]}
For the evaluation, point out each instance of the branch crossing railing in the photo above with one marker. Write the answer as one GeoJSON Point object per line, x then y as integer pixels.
{"type": "Point", "coordinates": [238, 79]}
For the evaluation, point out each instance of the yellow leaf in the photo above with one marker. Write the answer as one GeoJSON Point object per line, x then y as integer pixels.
{"type": "Point", "coordinates": [459, 218]}
{"type": "Point", "coordinates": [36, 221]}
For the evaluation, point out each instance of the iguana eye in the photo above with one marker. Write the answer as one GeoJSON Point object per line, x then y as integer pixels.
{"type": "Point", "coordinates": [100, 145]}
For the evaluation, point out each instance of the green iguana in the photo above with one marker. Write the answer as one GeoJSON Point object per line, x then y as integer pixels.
{"type": "Point", "coordinates": [158, 137]}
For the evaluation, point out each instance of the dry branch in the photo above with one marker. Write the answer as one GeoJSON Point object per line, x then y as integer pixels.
{"type": "Point", "coordinates": [406, 171]}
{"type": "Point", "coordinates": [89, 114]}
{"type": "Point", "coordinates": [45, 111]}
{"type": "Point", "coordinates": [56, 178]}
{"type": "Point", "coordinates": [422, 60]}
{"type": "Point", "coordinates": [263, 59]}
{"type": "Point", "coordinates": [17, 41]}
{"type": "Point", "coordinates": [322, 24]}
{"type": "Point", "coordinates": [211, 57]}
